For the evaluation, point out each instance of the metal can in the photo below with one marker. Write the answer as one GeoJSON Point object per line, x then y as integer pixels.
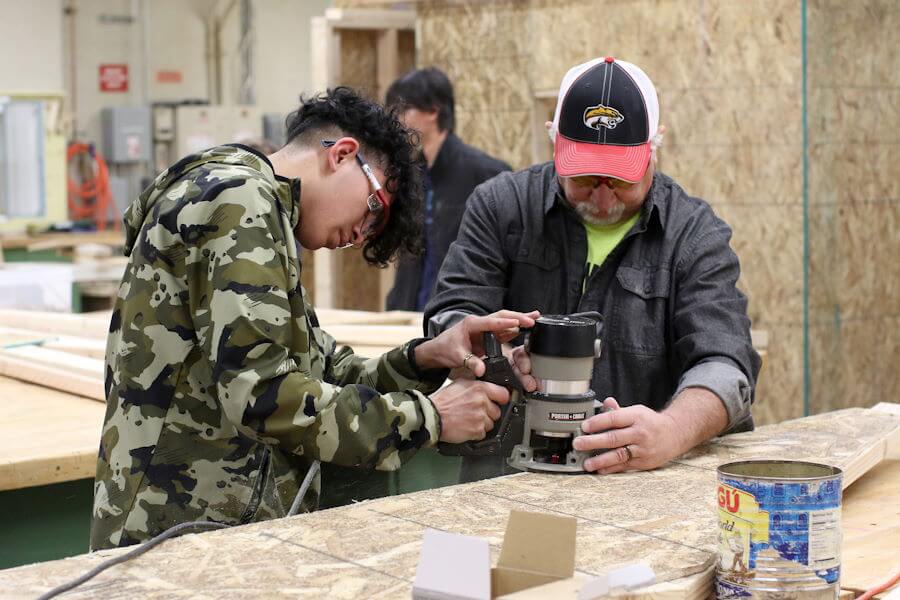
{"type": "Point", "coordinates": [779, 530]}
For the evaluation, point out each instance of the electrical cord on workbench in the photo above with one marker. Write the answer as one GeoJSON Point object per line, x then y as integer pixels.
{"type": "Point", "coordinates": [169, 533]}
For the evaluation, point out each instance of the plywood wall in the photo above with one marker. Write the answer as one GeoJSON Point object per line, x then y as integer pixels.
{"type": "Point", "coordinates": [729, 79]}
{"type": "Point", "coordinates": [734, 129]}
{"type": "Point", "coordinates": [854, 232]}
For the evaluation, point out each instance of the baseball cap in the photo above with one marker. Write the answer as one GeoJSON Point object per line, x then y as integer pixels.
{"type": "Point", "coordinates": [606, 114]}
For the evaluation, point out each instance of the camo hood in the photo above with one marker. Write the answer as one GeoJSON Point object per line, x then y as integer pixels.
{"type": "Point", "coordinates": [231, 154]}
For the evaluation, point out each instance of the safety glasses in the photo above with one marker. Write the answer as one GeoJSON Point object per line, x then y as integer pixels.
{"type": "Point", "coordinates": [379, 208]}
{"type": "Point", "coordinates": [592, 181]}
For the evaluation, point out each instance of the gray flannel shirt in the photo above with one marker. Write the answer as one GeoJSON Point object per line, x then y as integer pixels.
{"type": "Point", "coordinates": [673, 315]}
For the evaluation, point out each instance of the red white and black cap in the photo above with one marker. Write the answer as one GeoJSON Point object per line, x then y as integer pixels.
{"type": "Point", "coordinates": [606, 115]}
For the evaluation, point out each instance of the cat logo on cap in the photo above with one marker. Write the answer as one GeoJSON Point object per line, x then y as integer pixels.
{"type": "Point", "coordinates": [599, 116]}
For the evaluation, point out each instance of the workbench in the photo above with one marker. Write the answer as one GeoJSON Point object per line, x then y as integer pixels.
{"type": "Point", "coordinates": [46, 436]}
{"type": "Point", "coordinates": [666, 518]}
{"type": "Point", "coordinates": [48, 456]}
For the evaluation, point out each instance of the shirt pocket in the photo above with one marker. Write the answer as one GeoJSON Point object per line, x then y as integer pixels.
{"type": "Point", "coordinates": [641, 308]}
{"type": "Point", "coordinates": [533, 274]}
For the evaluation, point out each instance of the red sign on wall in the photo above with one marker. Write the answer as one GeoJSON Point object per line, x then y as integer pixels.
{"type": "Point", "coordinates": [168, 76]}
{"type": "Point", "coordinates": [113, 78]}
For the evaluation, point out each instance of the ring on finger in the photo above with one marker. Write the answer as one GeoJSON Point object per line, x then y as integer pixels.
{"type": "Point", "coordinates": [466, 360]}
{"type": "Point", "coordinates": [628, 452]}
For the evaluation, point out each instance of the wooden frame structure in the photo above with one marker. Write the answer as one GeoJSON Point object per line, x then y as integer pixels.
{"type": "Point", "coordinates": [326, 52]}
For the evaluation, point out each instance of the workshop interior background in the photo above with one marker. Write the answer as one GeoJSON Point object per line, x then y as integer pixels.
{"type": "Point", "coordinates": [782, 114]}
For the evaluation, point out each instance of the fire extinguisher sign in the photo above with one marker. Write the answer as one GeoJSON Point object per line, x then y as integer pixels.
{"type": "Point", "coordinates": [113, 78]}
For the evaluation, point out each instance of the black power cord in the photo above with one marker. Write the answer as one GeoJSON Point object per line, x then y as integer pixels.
{"type": "Point", "coordinates": [169, 533]}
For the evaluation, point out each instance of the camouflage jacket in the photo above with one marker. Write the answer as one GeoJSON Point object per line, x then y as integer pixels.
{"type": "Point", "coordinates": [221, 388]}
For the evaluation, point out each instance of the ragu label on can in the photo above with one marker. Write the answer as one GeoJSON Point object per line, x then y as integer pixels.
{"type": "Point", "coordinates": [784, 528]}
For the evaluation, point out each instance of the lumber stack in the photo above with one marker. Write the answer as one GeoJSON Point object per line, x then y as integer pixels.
{"type": "Point", "coordinates": [58, 351]}
{"type": "Point", "coordinates": [65, 351]}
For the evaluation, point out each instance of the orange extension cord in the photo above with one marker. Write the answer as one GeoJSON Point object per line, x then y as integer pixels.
{"type": "Point", "coordinates": [881, 588]}
{"type": "Point", "coordinates": [91, 198]}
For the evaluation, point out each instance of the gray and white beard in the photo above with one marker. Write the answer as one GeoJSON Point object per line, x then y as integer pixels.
{"type": "Point", "coordinates": [591, 214]}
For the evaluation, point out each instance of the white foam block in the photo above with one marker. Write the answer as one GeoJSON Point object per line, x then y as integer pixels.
{"type": "Point", "coordinates": [629, 577]}
{"type": "Point", "coordinates": [453, 567]}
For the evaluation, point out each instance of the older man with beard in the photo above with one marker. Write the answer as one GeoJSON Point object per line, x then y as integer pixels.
{"type": "Point", "coordinates": [601, 229]}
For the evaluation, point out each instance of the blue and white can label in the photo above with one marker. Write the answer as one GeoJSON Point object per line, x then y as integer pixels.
{"type": "Point", "coordinates": [777, 532]}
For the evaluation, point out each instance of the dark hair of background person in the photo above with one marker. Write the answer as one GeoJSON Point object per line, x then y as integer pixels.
{"type": "Point", "coordinates": [385, 142]}
{"type": "Point", "coordinates": [425, 89]}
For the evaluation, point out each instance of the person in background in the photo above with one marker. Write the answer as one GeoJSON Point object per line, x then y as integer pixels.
{"type": "Point", "coordinates": [424, 101]}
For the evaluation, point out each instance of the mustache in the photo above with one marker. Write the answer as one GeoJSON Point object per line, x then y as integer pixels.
{"type": "Point", "coordinates": [592, 214]}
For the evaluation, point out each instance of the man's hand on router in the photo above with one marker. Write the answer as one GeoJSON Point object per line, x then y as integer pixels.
{"type": "Point", "coordinates": [634, 438]}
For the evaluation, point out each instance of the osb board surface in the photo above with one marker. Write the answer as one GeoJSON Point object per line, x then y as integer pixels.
{"type": "Point", "coordinates": [46, 436]}
{"type": "Point", "coordinates": [779, 392]}
{"type": "Point", "coordinates": [764, 239]}
{"type": "Point", "coordinates": [854, 43]}
{"type": "Point", "coordinates": [357, 284]}
{"type": "Point", "coordinates": [359, 60]}
{"type": "Point", "coordinates": [854, 277]}
{"type": "Point", "coordinates": [665, 517]}
{"type": "Point", "coordinates": [725, 173]}
{"type": "Point", "coordinates": [854, 362]}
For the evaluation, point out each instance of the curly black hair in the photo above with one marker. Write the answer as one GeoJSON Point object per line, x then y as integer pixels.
{"type": "Point", "coordinates": [388, 144]}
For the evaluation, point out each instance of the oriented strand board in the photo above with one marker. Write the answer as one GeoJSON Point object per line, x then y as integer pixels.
{"type": "Point", "coordinates": [779, 393]}
{"type": "Point", "coordinates": [358, 283]}
{"type": "Point", "coordinates": [850, 243]}
{"type": "Point", "coordinates": [665, 517]}
{"type": "Point", "coordinates": [724, 173]}
{"type": "Point", "coordinates": [358, 60]}
{"type": "Point", "coordinates": [406, 51]}
{"type": "Point", "coordinates": [854, 277]}
{"type": "Point", "coordinates": [763, 239]}
{"type": "Point", "coordinates": [854, 43]}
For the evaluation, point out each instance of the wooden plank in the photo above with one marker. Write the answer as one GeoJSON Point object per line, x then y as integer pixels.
{"type": "Point", "coordinates": [665, 518]}
{"type": "Point", "coordinates": [871, 526]}
{"type": "Point", "coordinates": [46, 436]}
{"type": "Point", "coordinates": [91, 347]}
{"type": "Point", "coordinates": [57, 359]}
{"type": "Point", "coordinates": [94, 327]}
{"type": "Point", "coordinates": [374, 335]}
{"type": "Point", "coordinates": [388, 62]}
{"type": "Point", "coordinates": [874, 455]}
{"type": "Point", "coordinates": [365, 18]}
{"type": "Point", "coordinates": [50, 241]}
{"type": "Point", "coordinates": [692, 587]}
{"type": "Point", "coordinates": [52, 377]}
{"type": "Point", "coordinates": [339, 316]}
{"type": "Point", "coordinates": [10, 338]}
{"type": "Point", "coordinates": [369, 351]}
